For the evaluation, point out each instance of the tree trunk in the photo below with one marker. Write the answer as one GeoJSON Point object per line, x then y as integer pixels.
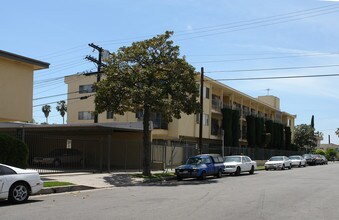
{"type": "Point", "coordinates": [146, 142]}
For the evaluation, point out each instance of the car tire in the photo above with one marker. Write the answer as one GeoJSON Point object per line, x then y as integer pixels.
{"type": "Point", "coordinates": [179, 178]}
{"type": "Point", "coordinates": [238, 171]}
{"type": "Point", "coordinates": [266, 169]}
{"type": "Point", "coordinates": [252, 170]}
{"type": "Point", "coordinates": [290, 167]}
{"type": "Point", "coordinates": [219, 175]}
{"type": "Point", "coordinates": [203, 175]}
{"type": "Point", "coordinates": [18, 193]}
{"type": "Point", "coordinates": [299, 164]}
{"type": "Point", "coordinates": [283, 167]}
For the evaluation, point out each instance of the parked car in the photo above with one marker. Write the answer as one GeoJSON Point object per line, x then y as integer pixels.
{"type": "Point", "coordinates": [325, 161]}
{"type": "Point", "coordinates": [278, 162]}
{"type": "Point", "coordinates": [17, 184]}
{"type": "Point", "coordinates": [60, 156]}
{"type": "Point", "coordinates": [318, 159]}
{"type": "Point", "coordinates": [310, 159]}
{"type": "Point", "coordinates": [237, 164]}
{"type": "Point", "coordinates": [297, 160]}
{"type": "Point", "coordinates": [201, 166]}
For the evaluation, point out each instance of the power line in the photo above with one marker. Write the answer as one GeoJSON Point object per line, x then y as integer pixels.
{"type": "Point", "coordinates": [278, 77]}
{"type": "Point", "coordinates": [210, 28]}
{"type": "Point", "coordinates": [273, 69]}
{"type": "Point", "coordinates": [238, 28]}
{"type": "Point", "coordinates": [265, 58]}
{"type": "Point", "coordinates": [51, 96]}
{"type": "Point", "coordinates": [80, 98]}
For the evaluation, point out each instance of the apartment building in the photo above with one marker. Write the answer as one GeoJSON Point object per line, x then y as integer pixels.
{"type": "Point", "coordinates": [216, 96]}
{"type": "Point", "coordinates": [16, 83]}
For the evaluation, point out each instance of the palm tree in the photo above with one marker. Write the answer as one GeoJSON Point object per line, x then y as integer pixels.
{"type": "Point", "coordinates": [62, 108]}
{"type": "Point", "coordinates": [46, 109]}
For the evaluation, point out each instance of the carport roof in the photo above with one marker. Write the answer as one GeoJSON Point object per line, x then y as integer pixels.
{"type": "Point", "coordinates": [112, 126]}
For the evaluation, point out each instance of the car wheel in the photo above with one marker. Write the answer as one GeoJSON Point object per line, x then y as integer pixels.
{"type": "Point", "coordinates": [18, 193]}
{"type": "Point", "coordinates": [300, 164]}
{"type": "Point", "coordinates": [203, 175]}
{"type": "Point", "coordinates": [56, 163]}
{"type": "Point", "coordinates": [179, 178]}
{"type": "Point", "coordinates": [219, 175]}
{"type": "Point", "coordinates": [238, 171]}
{"type": "Point", "coordinates": [290, 167]}
{"type": "Point", "coordinates": [252, 170]}
{"type": "Point", "coordinates": [283, 167]}
{"type": "Point", "coordinates": [266, 169]}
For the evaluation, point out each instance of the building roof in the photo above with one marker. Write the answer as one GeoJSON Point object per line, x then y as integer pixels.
{"type": "Point", "coordinates": [38, 65]}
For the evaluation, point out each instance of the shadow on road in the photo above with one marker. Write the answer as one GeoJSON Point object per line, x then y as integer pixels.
{"type": "Point", "coordinates": [4, 203]}
{"type": "Point", "coordinates": [123, 180]}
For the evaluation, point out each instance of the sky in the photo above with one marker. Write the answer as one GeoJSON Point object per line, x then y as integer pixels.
{"type": "Point", "coordinates": [231, 39]}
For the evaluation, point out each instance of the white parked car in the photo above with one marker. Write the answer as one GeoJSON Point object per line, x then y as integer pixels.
{"type": "Point", "coordinates": [239, 163]}
{"type": "Point", "coordinates": [17, 184]}
{"type": "Point", "coordinates": [278, 162]}
{"type": "Point", "coordinates": [297, 160]}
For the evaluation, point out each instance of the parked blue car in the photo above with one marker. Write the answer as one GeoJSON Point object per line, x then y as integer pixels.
{"type": "Point", "coordinates": [201, 166]}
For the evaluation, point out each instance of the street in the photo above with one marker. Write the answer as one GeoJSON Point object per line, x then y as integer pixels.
{"type": "Point", "coordinates": [300, 193]}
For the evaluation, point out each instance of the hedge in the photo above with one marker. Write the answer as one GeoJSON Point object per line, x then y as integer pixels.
{"type": "Point", "coordinates": [14, 152]}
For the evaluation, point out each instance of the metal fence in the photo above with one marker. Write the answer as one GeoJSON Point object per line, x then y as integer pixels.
{"type": "Point", "coordinates": [173, 155]}
{"type": "Point", "coordinates": [53, 153]}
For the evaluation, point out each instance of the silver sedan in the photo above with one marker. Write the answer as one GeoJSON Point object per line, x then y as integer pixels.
{"type": "Point", "coordinates": [278, 162]}
{"type": "Point", "coordinates": [297, 160]}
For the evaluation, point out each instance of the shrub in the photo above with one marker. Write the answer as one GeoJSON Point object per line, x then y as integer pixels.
{"type": "Point", "coordinates": [14, 152]}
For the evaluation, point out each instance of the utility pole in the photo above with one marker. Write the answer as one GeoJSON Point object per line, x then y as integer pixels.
{"type": "Point", "coordinates": [201, 108]}
{"type": "Point", "coordinates": [99, 64]}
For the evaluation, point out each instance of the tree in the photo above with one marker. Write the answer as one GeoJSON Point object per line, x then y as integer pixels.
{"type": "Point", "coordinates": [148, 75]}
{"type": "Point", "coordinates": [331, 154]}
{"type": "Point", "coordinates": [312, 121]}
{"type": "Point", "coordinates": [46, 109]}
{"type": "Point", "coordinates": [62, 108]}
{"type": "Point", "coordinates": [304, 137]}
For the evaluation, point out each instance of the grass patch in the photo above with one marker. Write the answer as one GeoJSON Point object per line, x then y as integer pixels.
{"type": "Point", "coordinates": [54, 184]}
{"type": "Point", "coordinates": [154, 175]}
{"type": "Point", "coordinates": [260, 168]}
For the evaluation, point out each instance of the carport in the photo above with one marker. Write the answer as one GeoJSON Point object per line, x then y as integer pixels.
{"type": "Point", "coordinates": [103, 146]}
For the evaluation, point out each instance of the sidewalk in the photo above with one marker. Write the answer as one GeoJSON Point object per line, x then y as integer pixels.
{"type": "Point", "coordinates": [85, 181]}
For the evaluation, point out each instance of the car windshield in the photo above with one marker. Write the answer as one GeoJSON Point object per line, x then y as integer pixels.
{"type": "Point", "coordinates": [232, 159]}
{"type": "Point", "coordinates": [194, 161]}
{"type": "Point", "coordinates": [294, 157]}
{"type": "Point", "coordinates": [276, 159]}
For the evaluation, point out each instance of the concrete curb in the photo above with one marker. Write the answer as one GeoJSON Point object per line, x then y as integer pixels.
{"type": "Point", "coordinates": [61, 189]}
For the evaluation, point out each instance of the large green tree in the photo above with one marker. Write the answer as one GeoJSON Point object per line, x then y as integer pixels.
{"type": "Point", "coordinates": [151, 76]}
{"type": "Point", "coordinates": [304, 137]}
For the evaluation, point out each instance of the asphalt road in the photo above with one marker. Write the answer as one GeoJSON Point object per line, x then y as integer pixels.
{"type": "Point", "coordinates": [301, 193]}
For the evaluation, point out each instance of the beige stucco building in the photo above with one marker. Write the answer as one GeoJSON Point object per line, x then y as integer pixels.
{"type": "Point", "coordinates": [216, 96]}
{"type": "Point", "coordinates": [16, 83]}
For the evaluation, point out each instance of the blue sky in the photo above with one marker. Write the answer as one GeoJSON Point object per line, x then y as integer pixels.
{"type": "Point", "coordinates": [220, 36]}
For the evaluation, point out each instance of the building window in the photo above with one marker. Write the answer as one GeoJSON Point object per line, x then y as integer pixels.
{"type": "Point", "coordinates": [86, 88]}
{"type": "Point", "coordinates": [109, 115]}
{"type": "Point", "coordinates": [139, 114]}
{"type": "Point", "coordinates": [158, 121]}
{"type": "Point", "coordinates": [205, 119]}
{"type": "Point", "coordinates": [86, 115]}
{"type": "Point", "coordinates": [216, 102]}
{"type": "Point", "coordinates": [215, 128]}
{"type": "Point", "coordinates": [206, 92]}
